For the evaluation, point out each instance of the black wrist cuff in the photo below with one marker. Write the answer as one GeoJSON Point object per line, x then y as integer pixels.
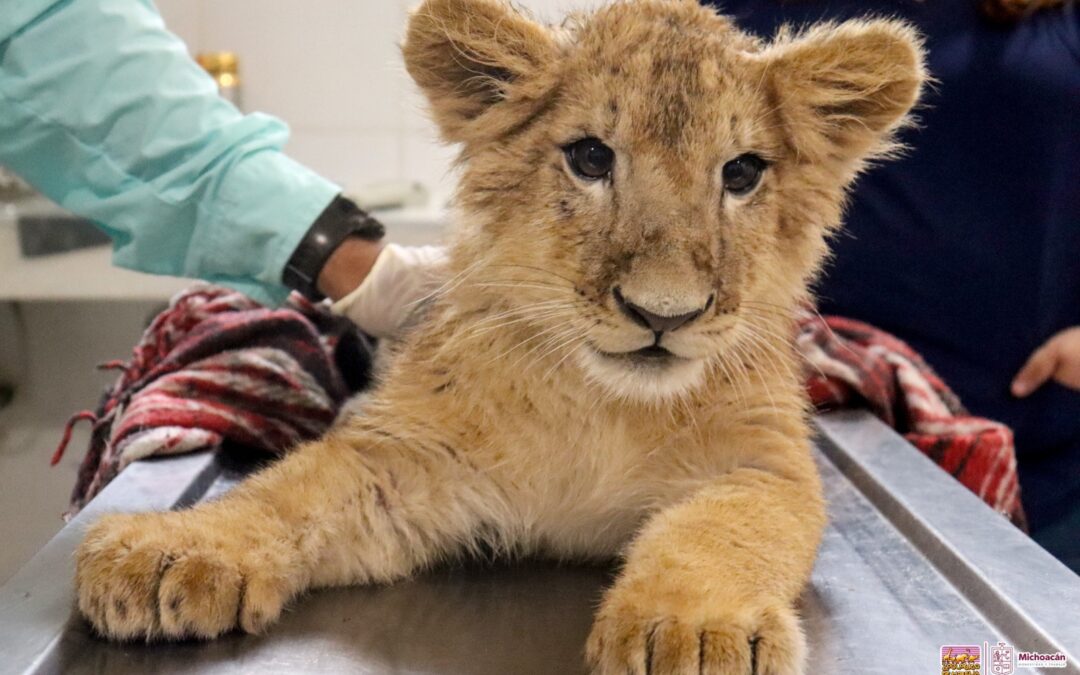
{"type": "Point", "coordinates": [340, 220]}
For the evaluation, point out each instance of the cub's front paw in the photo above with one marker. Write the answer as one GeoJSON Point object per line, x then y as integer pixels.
{"type": "Point", "coordinates": [162, 575]}
{"type": "Point", "coordinates": [632, 640]}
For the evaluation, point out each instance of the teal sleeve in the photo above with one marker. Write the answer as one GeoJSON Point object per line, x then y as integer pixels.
{"type": "Point", "coordinates": [102, 110]}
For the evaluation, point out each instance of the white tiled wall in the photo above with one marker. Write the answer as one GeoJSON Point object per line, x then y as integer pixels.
{"type": "Point", "coordinates": [332, 70]}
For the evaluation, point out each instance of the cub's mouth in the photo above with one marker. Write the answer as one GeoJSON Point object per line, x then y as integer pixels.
{"type": "Point", "coordinates": [653, 356]}
{"type": "Point", "coordinates": [646, 374]}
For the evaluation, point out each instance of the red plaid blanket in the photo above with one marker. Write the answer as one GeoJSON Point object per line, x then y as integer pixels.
{"type": "Point", "coordinates": [217, 368]}
{"type": "Point", "coordinates": [852, 364]}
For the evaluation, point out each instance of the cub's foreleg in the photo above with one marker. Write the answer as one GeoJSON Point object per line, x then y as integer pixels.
{"type": "Point", "coordinates": [357, 506]}
{"type": "Point", "coordinates": [709, 585]}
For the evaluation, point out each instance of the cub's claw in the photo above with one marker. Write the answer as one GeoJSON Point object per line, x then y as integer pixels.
{"type": "Point", "coordinates": [629, 641]}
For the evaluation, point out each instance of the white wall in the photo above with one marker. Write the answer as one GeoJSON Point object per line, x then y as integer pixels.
{"type": "Point", "coordinates": [332, 70]}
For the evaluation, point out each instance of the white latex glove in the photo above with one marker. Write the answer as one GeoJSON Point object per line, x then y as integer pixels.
{"type": "Point", "coordinates": [395, 288]}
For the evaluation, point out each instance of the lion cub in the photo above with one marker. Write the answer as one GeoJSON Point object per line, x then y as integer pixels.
{"type": "Point", "coordinates": [646, 193]}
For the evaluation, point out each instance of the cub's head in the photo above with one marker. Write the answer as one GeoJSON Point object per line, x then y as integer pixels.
{"type": "Point", "coordinates": [646, 187]}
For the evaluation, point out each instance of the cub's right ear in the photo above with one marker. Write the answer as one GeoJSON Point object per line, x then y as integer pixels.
{"type": "Point", "coordinates": [483, 66]}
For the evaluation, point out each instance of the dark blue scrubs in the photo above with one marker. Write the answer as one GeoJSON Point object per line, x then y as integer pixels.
{"type": "Point", "coordinates": [969, 247]}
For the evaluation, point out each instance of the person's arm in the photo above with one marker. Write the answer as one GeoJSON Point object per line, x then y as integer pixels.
{"type": "Point", "coordinates": [103, 111]}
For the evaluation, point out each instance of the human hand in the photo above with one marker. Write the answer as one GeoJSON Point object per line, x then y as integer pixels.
{"type": "Point", "coordinates": [1058, 358]}
{"type": "Point", "coordinates": [390, 292]}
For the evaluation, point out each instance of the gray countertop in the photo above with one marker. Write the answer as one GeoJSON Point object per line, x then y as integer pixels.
{"type": "Point", "coordinates": [911, 561]}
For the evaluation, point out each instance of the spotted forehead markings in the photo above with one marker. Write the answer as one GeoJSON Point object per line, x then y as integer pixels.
{"type": "Point", "coordinates": [663, 88]}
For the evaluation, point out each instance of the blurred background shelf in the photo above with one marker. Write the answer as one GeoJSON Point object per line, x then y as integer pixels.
{"type": "Point", "coordinates": [88, 274]}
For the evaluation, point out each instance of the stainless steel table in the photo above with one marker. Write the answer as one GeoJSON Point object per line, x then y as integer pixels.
{"type": "Point", "coordinates": [911, 561]}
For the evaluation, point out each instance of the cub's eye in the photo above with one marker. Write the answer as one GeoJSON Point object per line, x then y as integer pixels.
{"type": "Point", "coordinates": [589, 158]}
{"type": "Point", "coordinates": [742, 174]}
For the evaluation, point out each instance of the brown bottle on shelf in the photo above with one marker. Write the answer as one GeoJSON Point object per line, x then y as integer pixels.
{"type": "Point", "coordinates": [224, 67]}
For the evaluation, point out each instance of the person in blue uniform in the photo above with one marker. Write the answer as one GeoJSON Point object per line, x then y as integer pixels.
{"type": "Point", "coordinates": [968, 247]}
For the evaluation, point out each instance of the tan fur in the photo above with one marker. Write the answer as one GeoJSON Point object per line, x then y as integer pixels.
{"type": "Point", "coordinates": [497, 421]}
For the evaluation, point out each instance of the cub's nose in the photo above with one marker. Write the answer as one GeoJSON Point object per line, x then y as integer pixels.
{"type": "Point", "coordinates": [658, 323]}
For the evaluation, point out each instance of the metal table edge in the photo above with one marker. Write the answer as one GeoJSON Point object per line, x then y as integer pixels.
{"type": "Point", "coordinates": [36, 603]}
{"type": "Point", "coordinates": [1032, 599]}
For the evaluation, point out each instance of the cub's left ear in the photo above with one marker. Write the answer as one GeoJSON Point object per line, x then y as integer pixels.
{"type": "Point", "coordinates": [842, 89]}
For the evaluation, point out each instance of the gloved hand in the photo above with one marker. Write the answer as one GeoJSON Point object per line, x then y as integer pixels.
{"type": "Point", "coordinates": [395, 288]}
